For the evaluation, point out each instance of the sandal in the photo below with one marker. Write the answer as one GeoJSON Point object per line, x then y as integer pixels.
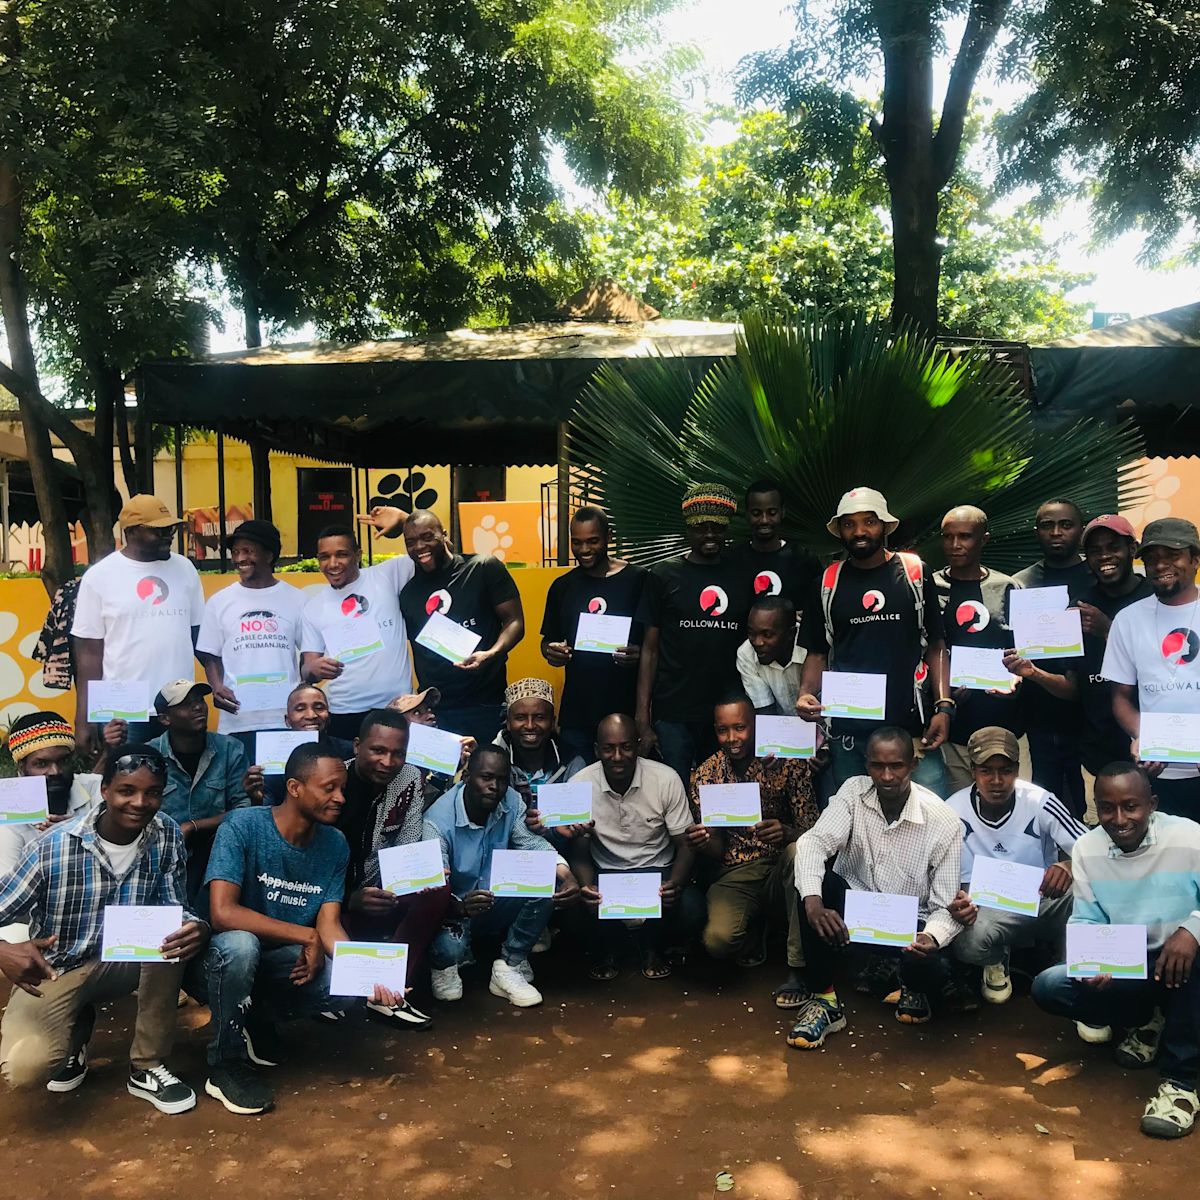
{"type": "Point", "coordinates": [604, 970]}
{"type": "Point", "coordinates": [1139, 1047]}
{"type": "Point", "coordinates": [657, 970]}
{"type": "Point", "coordinates": [791, 995]}
{"type": "Point", "coordinates": [1171, 1111]}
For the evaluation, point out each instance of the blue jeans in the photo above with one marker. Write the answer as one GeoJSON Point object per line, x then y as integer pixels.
{"type": "Point", "coordinates": [683, 744]}
{"type": "Point", "coordinates": [1129, 1003]}
{"type": "Point", "coordinates": [521, 921]}
{"type": "Point", "coordinates": [1056, 767]}
{"type": "Point", "coordinates": [849, 758]}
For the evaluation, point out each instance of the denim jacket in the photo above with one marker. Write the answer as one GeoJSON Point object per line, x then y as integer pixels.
{"type": "Point", "coordinates": [217, 787]}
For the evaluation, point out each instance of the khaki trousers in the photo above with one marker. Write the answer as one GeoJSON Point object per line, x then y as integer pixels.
{"type": "Point", "coordinates": [37, 1034]}
{"type": "Point", "coordinates": [958, 767]}
{"type": "Point", "coordinates": [742, 896]}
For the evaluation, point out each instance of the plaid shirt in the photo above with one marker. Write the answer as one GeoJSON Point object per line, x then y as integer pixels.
{"type": "Point", "coordinates": [63, 881]}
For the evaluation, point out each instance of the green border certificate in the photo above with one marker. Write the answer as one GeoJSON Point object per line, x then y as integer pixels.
{"type": "Point", "coordinates": [447, 638]}
{"type": "Point", "coordinates": [724, 805]}
{"type": "Point", "coordinates": [881, 918]}
{"type": "Point", "coordinates": [599, 633]}
{"type": "Point", "coordinates": [411, 868]}
{"type": "Point", "coordinates": [563, 804]}
{"type": "Point", "coordinates": [1118, 950]}
{"type": "Point", "coordinates": [273, 747]}
{"type": "Point", "coordinates": [1169, 737]}
{"type": "Point", "coordinates": [523, 873]}
{"type": "Point", "coordinates": [1009, 886]}
{"type": "Point", "coordinates": [784, 737]}
{"type": "Point", "coordinates": [359, 967]}
{"type": "Point", "coordinates": [135, 932]}
{"type": "Point", "coordinates": [118, 700]}
{"type": "Point", "coordinates": [628, 895]}
{"type": "Point", "coordinates": [854, 695]}
{"type": "Point", "coordinates": [1049, 634]}
{"type": "Point", "coordinates": [23, 800]}
{"type": "Point", "coordinates": [980, 669]}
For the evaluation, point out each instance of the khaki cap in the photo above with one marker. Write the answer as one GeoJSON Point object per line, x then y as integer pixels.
{"type": "Point", "coordinates": [990, 740]}
{"type": "Point", "coordinates": [146, 510]}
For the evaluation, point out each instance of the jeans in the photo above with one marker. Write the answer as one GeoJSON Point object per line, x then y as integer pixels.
{"type": "Point", "coordinates": [1129, 1003]}
{"type": "Point", "coordinates": [480, 721]}
{"type": "Point", "coordinates": [521, 922]}
{"type": "Point", "coordinates": [1056, 767]}
{"type": "Point", "coordinates": [984, 944]}
{"type": "Point", "coordinates": [576, 740]}
{"type": "Point", "coordinates": [683, 744]}
{"type": "Point", "coordinates": [1178, 797]}
{"type": "Point", "coordinates": [850, 759]}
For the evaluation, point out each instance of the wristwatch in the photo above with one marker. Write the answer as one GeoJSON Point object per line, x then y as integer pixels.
{"type": "Point", "coordinates": [946, 706]}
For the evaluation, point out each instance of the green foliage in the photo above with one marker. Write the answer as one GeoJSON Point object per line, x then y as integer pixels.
{"type": "Point", "coordinates": [823, 406]}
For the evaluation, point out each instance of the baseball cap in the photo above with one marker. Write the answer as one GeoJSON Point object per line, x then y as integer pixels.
{"type": "Point", "coordinates": [1172, 532]}
{"type": "Point", "coordinates": [262, 532]}
{"type": "Point", "coordinates": [413, 700]}
{"type": "Point", "coordinates": [146, 510]}
{"type": "Point", "coordinates": [1118, 525]}
{"type": "Point", "coordinates": [177, 693]}
{"type": "Point", "coordinates": [989, 740]}
{"type": "Point", "coordinates": [863, 499]}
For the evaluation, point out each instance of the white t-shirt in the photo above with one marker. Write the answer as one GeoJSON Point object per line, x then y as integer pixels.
{"type": "Point", "coordinates": [1038, 827]}
{"type": "Point", "coordinates": [372, 681]}
{"type": "Point", "coordinates": [120, 856]}
{"type": "Point", "coordinates": [1156, 647]}
{"type": "Point", "coordinates": [256, 634]}
{"type": "Point", "coordinates": [145, 613]}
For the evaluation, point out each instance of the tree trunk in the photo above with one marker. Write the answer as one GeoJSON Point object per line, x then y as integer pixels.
{"type": "Point", "coordinates": [260, 460]}
{"type": "Point", "coordinates": [253, 319]}
{"type": "Point", "coordinates": [128, 466]}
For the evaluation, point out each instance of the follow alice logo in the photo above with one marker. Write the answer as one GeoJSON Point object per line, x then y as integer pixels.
{"type": "Point", "coordinates": [767, 583]}
{"type": "Point", "coordinates": [1181, 646]}
{"type": "Point", "coordinates": [438, 601]}
{"type": "Point", "coordinates": [152, 590]}
{"type": "Point", "coordinates": [355, 605]}
{"type": "Point", "coordinates": [972, 616]}
{"type": "Point", "coordinates": [713, 600]}
{"type": "Point", "coordinates": [597, 605]}
{"type": "Point", "coordinates": [873, 601]}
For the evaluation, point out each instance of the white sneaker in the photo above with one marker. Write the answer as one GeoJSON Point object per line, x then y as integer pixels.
{"type": "Point", "coordinates": [997, 985]}
{"type": "Point", "coordinates": [447, 983]}
{"type": "Point", "coordinates": [1094, 1035]}
{"type": "Point", "coordinates": [509, 983]}
{"type": "Point", "coordinates": [525, 970]}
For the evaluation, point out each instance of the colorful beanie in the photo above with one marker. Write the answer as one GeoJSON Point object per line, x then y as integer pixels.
{"type": "Point", "coordinates": [528, 689]}
{"type": "Point", "coordinates": [38, 731]}
{"type": "Point", "coordinates": [708, 502]}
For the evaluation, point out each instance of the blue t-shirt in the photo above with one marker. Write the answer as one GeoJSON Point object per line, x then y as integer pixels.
{"type": "Point", "coordinates": [279, 880]}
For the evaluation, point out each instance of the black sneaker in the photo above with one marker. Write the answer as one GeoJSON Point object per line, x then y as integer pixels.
{"type": "Point", "coordinates": [71, 1074]}
{"type": "Point", "coordinates": [403, 1014]}
{"type": "Point", "coordinates": [913, 1007]}
{"type": "Point", "coordinates": [958, 996]}
{"type": "Point", "coordinates": [263, 1044]}
{"type": "Point", "coordinates": [166, 1092]}
{"type": "Point", "coordinates": [237, 1085]}
{"type": "Point", "coordinates": [877, 977]}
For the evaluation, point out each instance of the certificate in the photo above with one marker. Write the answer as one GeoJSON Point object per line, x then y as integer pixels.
{"type": "Point", "coordinates": [523, 872]}
{"type": "Point", "coordinates": [266, 691]}
{"type": "Point", "coordinates": [601, 634]}
{"type": "Point", "coordinates": [1009, 886]}
{"type": "Point", "coordinates": [23, 800]}
{"type": "Point", "coordinates": [881, 918]}
{"type": "Point", "coordinates": [411, 868]}
{"type": "Point", "coordinates": [1028, 602]}
{"type": "Point", "coordinates": [135, 932]}
{"type": "Point", "coordinates": [273, 748]}
{"type": "Point", "coordinates": [629, 895]}
{"type": "Point", "coordinates": [563, 803]}
{"type": "Point", "coordinates": [980, 669]}
{"type": "Point", "coordinates": [730, 804]}
{"type": "Point", "coordinates": [118, 700]}
{"type": "Point", "coordinates": [352, 639]}
{"type": "Point", "coordinates": [855, 695]}
{"type": "Point", "coordinates": [784, 737]}
{"type": "Point", "coordinates": [360, 967]}
{"type": "Point", "coordinates": [1169, 737]}
{"type": "Point", "coordinates": [447, 638]}
{"type": "Point", "coordinates": [1118, 950]}
{"type": "Point", "coordinates": [1049, 634]}
{"type": "Point", "coordinates": [433, 749]}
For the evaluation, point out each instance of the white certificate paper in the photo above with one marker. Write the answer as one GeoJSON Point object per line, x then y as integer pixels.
{"type": "Point", "coordinates": [272, 748]}
{"type": "Point", "coordinates": [412, 868]}
{"type": "Point", "coordinates": [730, 804]}
{"type": "Point", "coordinates": [1049, 634]}
{"type": "Point", "coordinates": [1009, 886]}
{"type": "Point", "coordinates": [523, 873]}
{"type": "Point", "coordinates": [352, 639]}
{"type": "Point", "coordinates": [358, 967]}
{"type": "Point", "coordinates": [784, 737]}
{"type": "Point", "coordinates": [980, 669]}
{"type": "Point", "coordinates": [447, 638]}
{"type": "Point", "coordinates": [134, 932]}
{"type": "Point", "coordinates": [267, 691]}
{"type": "Point", "coordinates": [601, 634]}
{"type": "Point", "coordinates": [1028, 602]}
{"type": "Point", "coordinates": [1118, 950]}
{"type": "Point", "coordinates": [881, 918]}
{"type": "Point", "coordinates": [563, 803]}
{"type": "Point", "coordinates": [635, 894]}
{"type": "Point", "coordinates": [855, 695]}
{"type": "Point", "coordinates": [23, 800]}
{"type": "Point", "coordinates": [118, 700]}
{"type": "Point", "coordinates": [1169, 737]}
{"type": "Point", "coordinates": [432, 749]}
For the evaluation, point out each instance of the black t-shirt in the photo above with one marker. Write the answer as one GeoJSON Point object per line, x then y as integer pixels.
{"type": "Point", "coordinates": [357, 822]}
{"type": "Point", "coordinates": [875, 631]}
{"type": "Point", "coordinates": [466, 590]}
{"type": "Point", "coordinates": [595, 685]}
{"type": "Point", "coordinates": [789, 571]}
{"type": "Point", "coordinates": [700, 613]}
{"type": "Point", "coordinates": [189, 762]}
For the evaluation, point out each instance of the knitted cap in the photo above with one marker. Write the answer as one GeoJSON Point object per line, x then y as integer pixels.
{"type": "Point", "coordinates": [38, 731]}
{"type": "Point", "coordinates": [708, 502]}
{"type": "Point", "coordinates": [528, 689]}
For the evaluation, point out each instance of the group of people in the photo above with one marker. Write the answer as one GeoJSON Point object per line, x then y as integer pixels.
{"type": "Point", "coordinates": [272, 871]}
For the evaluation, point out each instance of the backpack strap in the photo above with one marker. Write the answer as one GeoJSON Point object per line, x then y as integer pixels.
{"type": "Point", "coordinates": [829, 582]}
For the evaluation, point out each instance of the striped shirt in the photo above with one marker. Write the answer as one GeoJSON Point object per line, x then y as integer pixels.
{"type": "Point", "coordinates": [1156, 885]}
{"type": "Point", "coordinates": [918, 855]}
{"type": "Point", "coordinates": [63, 881]}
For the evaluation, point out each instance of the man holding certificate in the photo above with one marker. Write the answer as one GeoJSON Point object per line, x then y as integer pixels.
{"type": "Point", "coordinates": [536, 755]}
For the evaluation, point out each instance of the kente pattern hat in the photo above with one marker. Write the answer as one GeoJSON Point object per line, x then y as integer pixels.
{"type": "Point", "coordinates": [38, 731]}
{"type": "Point", "coordinates": [708, 502]}
{"type": "Point", "coordinates": [528, 689]}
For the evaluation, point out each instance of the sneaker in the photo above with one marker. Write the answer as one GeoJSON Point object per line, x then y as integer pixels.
{"type": "Point", "coordinates": [876, 977]}
{"type": "Point", "coordinates": [237, 1085]}
{"type": "Point", "coordinates": [165, 1091]}
{"type": "Point", "coordinates": [958, 996]}
{"type": "Point", "coordinates": [447, 983]}
{"type": "Point", "coordinates": [1094, 1035]}
{"type": "Point", "coordinates": [814, 1023]}
{"type": "Point", "coordinates": [509, 983]}
{"type": "Point", "coordinates": [263, 1044]}
{"type": "Point", "coordinates": [997, 983]}
{"type": "Point", "coordinates": [1139, 1047]}
{"type": "Point", "coordinates": [913, 1007]}
{"type": "Point", "coordinates": [71, 1074]}
{"type": "Point", "coordinates": [402, 1014]}
{"type": "Point", "coordinates": [1171, 1111]}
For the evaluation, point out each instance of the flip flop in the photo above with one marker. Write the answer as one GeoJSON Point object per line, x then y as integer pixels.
{"type": "Point", "coordinates": [602, 972]}
{"type": "Point", "coordinates": [800, 992]}
{"type": "Point", "coordinates": [659, 972]}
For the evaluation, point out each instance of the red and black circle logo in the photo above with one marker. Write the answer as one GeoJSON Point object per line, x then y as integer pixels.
{"type": "Point", "coordinates": [971, 616]}
{"type": "Point", "coordinates": [152, 590]}
{"type": "Point", "coordinates": [598, 605]}
{"type": "Point", "coordinates": [873, 601]}
{"type": "Point", "coordinates": [354, 605]}
{"type": "Point", "coordinates": [1181, 646]}
{"type": "Point", "coordinates": [713, 600]}
{"type": "Point", "coordinates": [438, 601]}
{"type": "Point", "coordinates": [767, 583]}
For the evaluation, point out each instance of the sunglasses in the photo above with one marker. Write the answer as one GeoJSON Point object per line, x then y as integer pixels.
{"type": "Point", "coordinates": [134, 762]}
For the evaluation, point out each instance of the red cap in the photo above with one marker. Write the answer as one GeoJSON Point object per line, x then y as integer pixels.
{"type": "Point", "coordinates": [1117, 524]}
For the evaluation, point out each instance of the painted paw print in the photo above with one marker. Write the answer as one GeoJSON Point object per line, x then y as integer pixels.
{"type": "Point", "coordinates": [491, 537]}
{"type": "Point", "coordinates": [1163, 483]}
{"type": "Point", "coordinates": [405, 494]}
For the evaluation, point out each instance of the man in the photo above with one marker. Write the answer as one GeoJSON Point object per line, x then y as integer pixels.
{"type": "Point", "coordinates": [769, 661]}
{"type": "Point", "coordinates": [307, 710]}
{"type": "Point", "coordinates": [596, 684]}
{"type": "Point", "coordinates": [755, 866]}
{"type": "Point", "coordinates": [250, 637]}
{"type": "Point", "coordinates": [137, 615]}
{"type": "Point", "coordinates": [471, 821]}
{"type": "Point", "coordinates": [1004, 817]}
{"type": "Point", "coordinates": [420, 708]}
{"type": "Point", "coordinates": [275, 885]}
{"type": "Point", "coordinates": [887, 834]}
{"type": "Point", "coordinates": [877, 612]}
{"type": "Point", "coordinates": [1109, 547]}
{"type": "Point", "coordinates": [1140, 867]}
{"type": "Point", "coordinates": [974, 602]}
{"type": "Point", "coordinates": [363, 602]}
{"type": "Point", "coordinates": [773, 566]}
{"type": "Point", "coordinates": [536, 756]}
{"type": "Point", "coordinates": [1153, 654]}
{"type": "Point", "coordinates": [640, 819]}
{"type": "Point", "coordinates": [692, 609]}
{"type": "Point", "coordinates": [123, 853]}
{"type": "Point", "coordinates": [1050, 707]}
